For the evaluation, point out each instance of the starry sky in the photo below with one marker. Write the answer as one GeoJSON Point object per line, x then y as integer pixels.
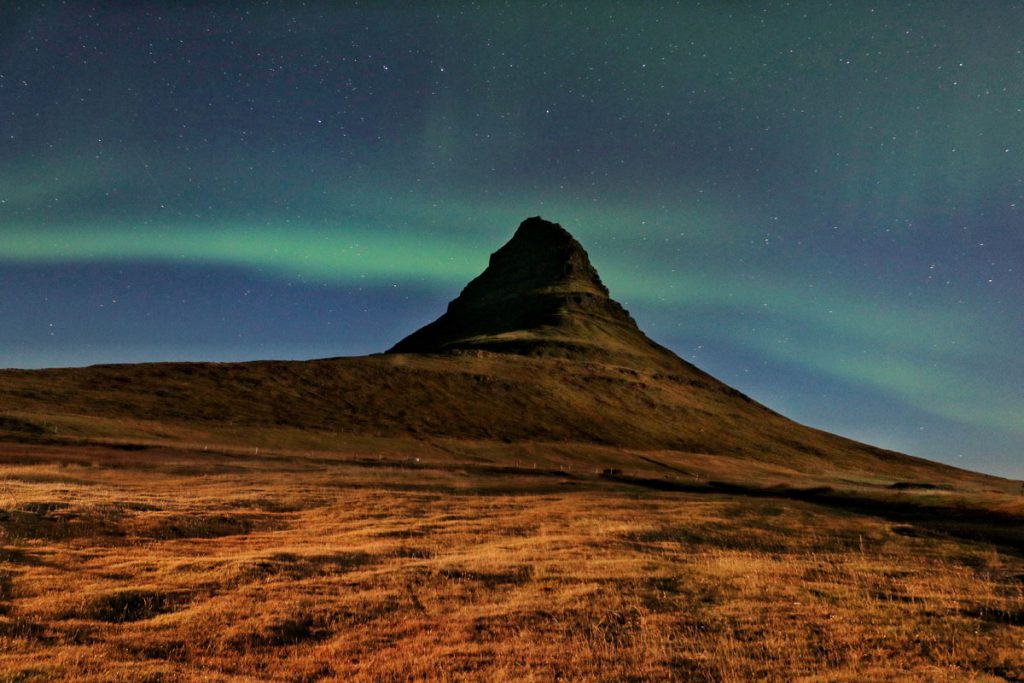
{"type": "Point", "coordinates": [821, 203]}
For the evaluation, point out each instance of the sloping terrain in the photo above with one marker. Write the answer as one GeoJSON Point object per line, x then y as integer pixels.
{"type": "Point", "coordinates": [478, 396]}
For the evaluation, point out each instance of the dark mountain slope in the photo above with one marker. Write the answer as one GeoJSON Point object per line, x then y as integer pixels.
{"type": "Point", "coordinates": [539, 295]}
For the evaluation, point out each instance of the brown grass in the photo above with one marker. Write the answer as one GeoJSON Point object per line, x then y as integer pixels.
{"type": "Point", "coordinates": [480, 396]}
{"type": "Point", "coordinates": [166, 565]}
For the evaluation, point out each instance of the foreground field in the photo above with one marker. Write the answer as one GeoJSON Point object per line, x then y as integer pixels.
{"type": "Point", "coordinates": [161, 564]}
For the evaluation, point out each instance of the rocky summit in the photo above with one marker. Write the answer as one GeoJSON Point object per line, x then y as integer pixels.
{"type": "Point", "coordinates": [539, 295]}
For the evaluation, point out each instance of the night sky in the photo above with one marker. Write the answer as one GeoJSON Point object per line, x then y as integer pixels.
{"type": "Point", "coordinates": [821, 203]}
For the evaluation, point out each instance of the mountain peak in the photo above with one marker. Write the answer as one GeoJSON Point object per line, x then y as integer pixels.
{"type": "Point", "coordinates": [539, 295]}
{"type": "Point", "coordinates": [537, 229]}
{"type": "Point", "coordinates": [539, 235]}
{"type": "Point", "coordinates": [541, 255]}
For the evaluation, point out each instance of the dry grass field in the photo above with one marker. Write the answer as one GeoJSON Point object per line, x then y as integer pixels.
{"type": "Point", "coordinates": [490, 562]}
{"type": "Point", "coordinates": [528, 488]}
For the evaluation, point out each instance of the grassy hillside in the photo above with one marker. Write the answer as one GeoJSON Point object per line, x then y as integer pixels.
{"type": "Point", "coordinates": [478, 396]}
{"type": "Point", "coordinates": [480, 516]}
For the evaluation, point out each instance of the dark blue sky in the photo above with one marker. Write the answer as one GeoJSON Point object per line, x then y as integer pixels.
{"type": "Point", "coordinates": [820, 203]}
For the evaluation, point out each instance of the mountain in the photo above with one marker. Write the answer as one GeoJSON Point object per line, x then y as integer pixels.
{"type": "Point", "coordinates": [533, 353]}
